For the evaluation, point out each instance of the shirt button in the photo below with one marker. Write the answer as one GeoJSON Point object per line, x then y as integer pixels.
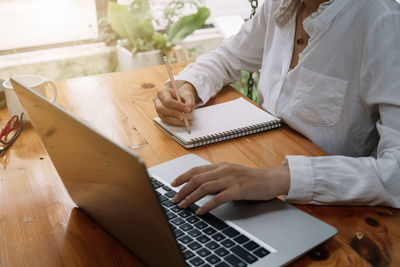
{"type": "Point", "coordinates": [311, 28]}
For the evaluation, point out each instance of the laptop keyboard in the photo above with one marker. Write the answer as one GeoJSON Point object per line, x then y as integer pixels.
{"type": "Point", "coordinates": [206, 240]}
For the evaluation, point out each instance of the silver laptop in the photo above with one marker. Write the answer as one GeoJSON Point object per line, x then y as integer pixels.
{"type": "Point", "coordinates": [112, 185]}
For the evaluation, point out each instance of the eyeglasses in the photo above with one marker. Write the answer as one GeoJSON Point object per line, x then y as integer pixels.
{"type": "Point", "coordinates": [13, 125]}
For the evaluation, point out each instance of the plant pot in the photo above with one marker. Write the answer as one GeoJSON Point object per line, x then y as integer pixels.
{"type": "Point", "coordinates": [127, 61]}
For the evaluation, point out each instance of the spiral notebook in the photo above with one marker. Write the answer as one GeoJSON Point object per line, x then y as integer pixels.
{"type": "Point", "coordinates": [221, 122]}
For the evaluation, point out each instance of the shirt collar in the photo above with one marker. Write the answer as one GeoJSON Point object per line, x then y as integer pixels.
{"type": "Point", "coordinates": [315, 22]}
{"type": "Point", "coordinates": [286, 11]}
{"type": "Point", "coordinates": [326, 12]}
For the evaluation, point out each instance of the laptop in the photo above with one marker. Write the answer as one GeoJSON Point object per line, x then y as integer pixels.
{"type": "Point", "coordinates": [111, 184]}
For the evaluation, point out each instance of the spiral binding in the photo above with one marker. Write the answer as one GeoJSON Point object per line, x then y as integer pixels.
{"type": "Point", "coordinates": [239, 132]}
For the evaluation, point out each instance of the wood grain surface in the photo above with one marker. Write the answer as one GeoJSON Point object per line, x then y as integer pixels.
{"type": "Point", "coordinates": [41, 226]}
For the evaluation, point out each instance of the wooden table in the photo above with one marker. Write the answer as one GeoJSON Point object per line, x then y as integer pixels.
{"type": "Point", "coordinates": [41, 226]}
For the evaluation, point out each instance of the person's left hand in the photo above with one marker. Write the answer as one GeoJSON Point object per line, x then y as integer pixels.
{"type": "Point", "coordinates": [230, 182]}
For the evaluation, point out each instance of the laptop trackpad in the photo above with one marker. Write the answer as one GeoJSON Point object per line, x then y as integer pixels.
{"type": "Point", "coordinates": [277, 224]}
{"type": "Point", "coordinates": [273, 222]}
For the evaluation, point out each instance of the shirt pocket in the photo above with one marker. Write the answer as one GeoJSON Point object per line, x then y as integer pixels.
{"type": "Point", "coordinates": [318, 98]}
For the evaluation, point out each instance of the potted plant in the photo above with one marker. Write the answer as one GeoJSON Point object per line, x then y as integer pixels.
{"type": "Point", "coordinates": [140, 44]}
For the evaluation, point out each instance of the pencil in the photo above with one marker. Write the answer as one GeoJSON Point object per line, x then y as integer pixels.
{"type": "Point", "coordinates": [171, 77]}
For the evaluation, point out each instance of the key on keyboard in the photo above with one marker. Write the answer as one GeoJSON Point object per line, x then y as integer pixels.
{"type": "Point", "coordinates": [206, 239]}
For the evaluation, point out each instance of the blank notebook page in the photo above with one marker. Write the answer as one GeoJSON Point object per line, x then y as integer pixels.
{"type": "Point", "coordinates": [220, 118]}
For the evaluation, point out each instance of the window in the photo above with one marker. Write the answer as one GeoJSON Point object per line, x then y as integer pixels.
{"type": "Point", "coordinates": [230, 7]}
{"type": "Point", "coordinates": [28, 24]}
{"type": "Point", "coordinates": [33, 23]}
{"type": "Point", "coordinates": [217, 7]}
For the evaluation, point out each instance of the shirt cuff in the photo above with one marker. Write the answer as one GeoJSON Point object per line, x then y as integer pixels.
{"type": "Point", "coordinates": [301, 179]}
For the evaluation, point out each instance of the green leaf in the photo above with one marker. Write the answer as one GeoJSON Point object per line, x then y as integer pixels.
{"type": "Point", "coordinates": [121, 21]}
{"type": "Point", "coordinates": [140, 9]}
{"type": "Point", "coordinates": [187, 25]}
{"type": "Point", "coordinates": [159, 40]}
{"type": "Point", "coordinates": [145, 29]}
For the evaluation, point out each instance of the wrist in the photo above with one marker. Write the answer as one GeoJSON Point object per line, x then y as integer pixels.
{"type": "Point", "coordinates": [282, 177]}
{"type": "Point", "coordinates": [193, 91]}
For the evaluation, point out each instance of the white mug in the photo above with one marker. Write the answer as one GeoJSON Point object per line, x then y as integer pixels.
{"type": "Point", "coordinates": [36, 82]}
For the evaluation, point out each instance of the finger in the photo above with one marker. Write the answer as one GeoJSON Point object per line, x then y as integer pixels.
{"type": "Point", "coordinates": [183, 178]}
{"type": "Point", "coordinates": [219, 199]}
{"type": "Point", "coordinates": [203, 190]}
{"type": "Point", "coordinates": [167, 112]}
{"type": "Point", "coordinates": [193, 184]}
{"type": "Point", "coordinates": [167, 98]}
{"type": "Point", "coordinates": [172, 121]}
{"type": "Point", "coordinates": [193, 180]}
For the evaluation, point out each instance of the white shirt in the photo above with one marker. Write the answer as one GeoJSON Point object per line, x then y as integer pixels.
{"type": "Point", "coordinates": [344, 94]}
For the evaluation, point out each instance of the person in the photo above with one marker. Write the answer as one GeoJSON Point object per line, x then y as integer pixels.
{"type": "Point", "coordinates": [330, 70]}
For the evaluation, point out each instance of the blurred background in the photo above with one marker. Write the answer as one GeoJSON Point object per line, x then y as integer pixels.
{"type": "Point", "coordinates": [71, 38]}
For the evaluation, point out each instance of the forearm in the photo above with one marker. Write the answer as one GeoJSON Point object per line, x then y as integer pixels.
{"type": "Point", "coordinates": [210, 73]}
{"type": "Point", "coordinates": [244, 51]}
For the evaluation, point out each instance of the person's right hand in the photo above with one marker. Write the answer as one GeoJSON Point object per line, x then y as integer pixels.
{"type": "Point", "coordinates": [169, 109]}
